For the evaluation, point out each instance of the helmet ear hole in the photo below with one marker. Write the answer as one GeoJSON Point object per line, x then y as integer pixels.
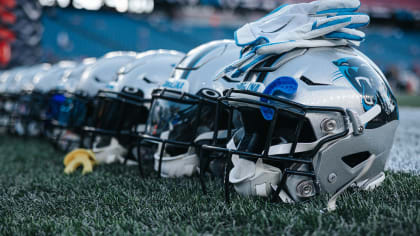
{"type": "Point", "coordinates": [355, 159]}
{"type": "Point", "coordinates": [209, 93]}
{"type": "Point", "coordinates": [132, 91]}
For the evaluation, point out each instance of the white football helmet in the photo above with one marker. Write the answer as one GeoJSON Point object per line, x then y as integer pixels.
{"type": "Point", "coordinates": [67, 109]}
{"type": "Point", "coordinates": [72, 76]}
{"type": "Point", "coordinates": [23, 85]}
{"type": "Point", "coordinates": [99, 74]}
{"type": "Point", "coordinates": [84, 83]}
{"type": "Point", "coordinates": [182, 112]}
{"type": "Point", "coordinates": [64, 102]}
{"type": "Point", "coordinates": [121, 109]}
{"type": "Point", "coordinates": [310, 121]}
{"type": "Point", "coordinates": [8, 96]}
{"type": "Point", "coordinates": [51, 79]}
{"type": "Point", "coordinates": [34, 111]}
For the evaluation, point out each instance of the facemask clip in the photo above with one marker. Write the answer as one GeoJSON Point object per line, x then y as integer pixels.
{"type": "Point", "coordinates": [356, 122]}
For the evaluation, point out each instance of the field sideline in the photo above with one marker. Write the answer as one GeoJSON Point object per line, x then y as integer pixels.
{"type": "Point", "coordinates": [37, 198]}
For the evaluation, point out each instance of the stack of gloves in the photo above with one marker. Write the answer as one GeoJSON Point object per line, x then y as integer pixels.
{"type": "Point", "coordinates": [323, 23]}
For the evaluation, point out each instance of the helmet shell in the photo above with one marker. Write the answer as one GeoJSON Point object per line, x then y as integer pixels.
{"type": "Point", "coordinates": [343, 78]}
{"type": "Point", "coordinates": [23, 80]}
{"type": "Point", "coordinates": [72, 76]}
{"type": "Point", "coordinates": [199, 68]}
{"type": "Point", "coordinates": [98, 75]}
{"type": "Point", "coordinates": [187, 115]}
{"type": "Point", "coordinates": [46, 81]}
{"type": "Point", "coordinates": [147, 72]}
{"type": "Point", "coordinates": [339, 77]}
{"type": "Point", "coordinates": [7, 79]}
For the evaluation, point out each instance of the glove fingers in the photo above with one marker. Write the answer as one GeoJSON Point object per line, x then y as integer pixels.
{"type": "Point", "coordinates": [281, 47]}
{"type": "Point", "coordinates": [349, 20]}
{"type": "Point", "coordinates": [330, 22]}
{"type": "Point", "coordinates": [345, 33]}
{"type": "Point", "coordinates": [341, 35]}
{"type": "Point", "coordinates": [358, 20]}
{"type": "Point", "coordinates": [325, 26]}
{"type": "Point", "coordinates": [334, 6]}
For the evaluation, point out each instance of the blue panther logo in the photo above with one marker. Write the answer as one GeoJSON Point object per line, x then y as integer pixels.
{"type": "Point", "coordinates": [366, 81]}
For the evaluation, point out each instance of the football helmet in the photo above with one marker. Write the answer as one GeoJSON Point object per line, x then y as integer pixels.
{"type": "Point", "coordinates": [121, 109]}
{"type": "Point", "coordinates": [21, 85]}
{"type": "Point", "coordinates": [182, 111]}
{"type": "Point", "coordinates": [64, 103]}
{"type": "Point", "coordinates": [98, 75]}
{"type": "Point", "coordinates": [67, 108]}
{"type": "Point", "coordinates": [94, 78]}
{"type": "Point", "coordinates": [33, 105]}
{"type": "Point", "coordinates": [310, 121]}
{"type": "Point", "coordinates": [7, 98]}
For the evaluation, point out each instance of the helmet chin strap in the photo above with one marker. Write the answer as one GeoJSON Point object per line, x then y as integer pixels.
{"type": "Point", "coordinates": [252, 178]}
{"type": "Point", "coordinates": [185, 164]}
{"type": "Point", "coordinates": [177, 166]}
{"type": "Point", "coordinates": [111, 153]}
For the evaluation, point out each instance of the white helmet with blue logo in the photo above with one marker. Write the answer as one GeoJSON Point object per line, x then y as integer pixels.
{"type": "Point", "coordinates": [33, 106]}
{"type": "Point", "coordinates": [67, 110]}
{"type": "Point", "coordinates": [97, 77]}
{"type": "Point", "coordinates": [182, 112]}
{"type": "Point", "coordinates": [311, 121]}
{"type": "Point", "coordinates": [124, 104]}
{"type": "Point", "coordinates": [121, 110]}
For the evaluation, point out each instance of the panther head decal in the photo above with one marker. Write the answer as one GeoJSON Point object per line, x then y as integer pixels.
{"type": "Point", "coordinates": [367, 82]}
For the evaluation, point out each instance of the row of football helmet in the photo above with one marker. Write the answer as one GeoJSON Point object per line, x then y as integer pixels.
{"type": "Point", "coordinates": [295, 125]}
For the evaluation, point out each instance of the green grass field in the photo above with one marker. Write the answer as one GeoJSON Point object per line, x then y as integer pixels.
{"type": "Point", "coordinates": [408, 100]}
{"type": "Point", "coordinates": [37, 198]}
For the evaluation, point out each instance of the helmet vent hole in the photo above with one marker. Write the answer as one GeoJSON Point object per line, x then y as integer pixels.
{"type": "Point", "coordinates": [354, 160]}
{"type": "Point", "coordinates": [310, 82]}
{"type": "Point", "coordinates": [147, 80]}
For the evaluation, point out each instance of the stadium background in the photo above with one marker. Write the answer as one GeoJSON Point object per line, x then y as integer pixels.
{"type": "Point", "coordinates": [74, 29]}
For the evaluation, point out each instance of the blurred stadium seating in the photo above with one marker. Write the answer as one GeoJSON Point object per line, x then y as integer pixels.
{"type": "Point", "coordinates": [20, 32]}
{"type": "Point", "coordinates": [80, 28]}
{"type": "Point", "coordinates": [73, 33]}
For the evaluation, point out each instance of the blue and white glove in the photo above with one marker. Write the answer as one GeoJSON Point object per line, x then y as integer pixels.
{"type": "Point", "coordinates": [323, 23]}
{"type": "Point", "coordinates": [331, 19]}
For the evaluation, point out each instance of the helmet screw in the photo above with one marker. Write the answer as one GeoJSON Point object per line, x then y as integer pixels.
{"type": "Point", "coordinates": [305, 189]}
{"type": "Point", "coordinates": [328, 125]}
{"type": "Point", "coordinates": [332, 178]}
